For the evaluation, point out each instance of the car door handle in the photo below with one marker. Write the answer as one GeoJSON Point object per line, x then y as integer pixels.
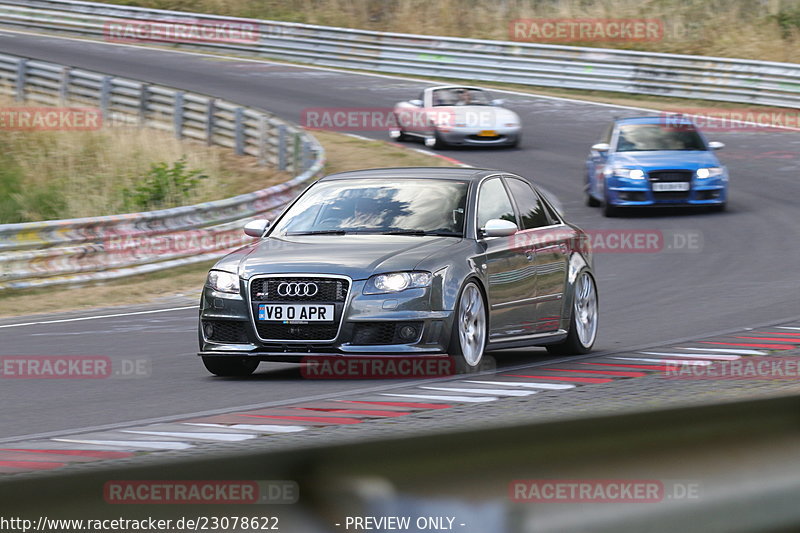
{"type": "Point", "coordinates": [530, 254]}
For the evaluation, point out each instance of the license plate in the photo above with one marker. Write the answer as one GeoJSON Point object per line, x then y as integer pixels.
{"type": "Point", "coordinates": [671, 186]}
{"type": "Point", "coordinates": [295, 313]}
{"type": "Point", "coordinates": [487, 133]}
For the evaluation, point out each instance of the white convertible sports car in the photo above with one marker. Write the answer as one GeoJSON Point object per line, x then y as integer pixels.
{"type": "Point", "coordinates": [456, 115]}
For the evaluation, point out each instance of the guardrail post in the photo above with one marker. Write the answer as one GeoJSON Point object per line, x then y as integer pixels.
{"type": "Point", "coordinates": [22, 72]}
{"type": "Point", "coordinates": [262, 140]}
{"type": "Point", "coordinates": [282, 148]}
{"type": "Point", "coordinates": [306, 153]}
{"type": "Point", "coordinates": [238, 131]}
{"type": "Point", "coordinates": [144, 96]}
{"type": "Point", "coordinates": [105, 98]}
{"type": "Point", "coordinates": [177, 115]}
{"type": "Point", "coordinates": [211, 110]}
{"type": "Point", "coordinates": [296, 153]}
{"type": "Point", "coordinates": [63, 88]}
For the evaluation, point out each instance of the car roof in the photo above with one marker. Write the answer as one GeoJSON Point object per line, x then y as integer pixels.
{"type": "Point", "coordinates": [666, 118]}
{"type": "Point", "coordinates": [454, 173]}
{"type": "Point", "coordinates": [454, 87]}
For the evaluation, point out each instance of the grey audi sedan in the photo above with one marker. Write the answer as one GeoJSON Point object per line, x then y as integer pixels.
{"type": "Point", "coordinates": [402, 262]}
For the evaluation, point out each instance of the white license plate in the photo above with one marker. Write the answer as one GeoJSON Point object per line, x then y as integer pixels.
{"type": "Point", "coordinates": [671, 186]}
{"type": "Point", "coordinates": [295, 313]}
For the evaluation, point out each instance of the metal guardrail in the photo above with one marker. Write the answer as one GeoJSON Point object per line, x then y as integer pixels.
{"type": "Point", "coordinates": [743, 457]}
{"type": "Point", "coordinates": [683, 76]}
{"type": "Point", "coordinates": [67, 251]}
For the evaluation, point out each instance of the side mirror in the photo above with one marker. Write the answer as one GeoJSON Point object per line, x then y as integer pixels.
{"type": "Point", "coordinates": [256, 228]}
{"type": "Point", "coordinates": [601, 147]}
{"type": "Point", "coordinates": [417, 103]}
{"type": "Point", "coordinates": [498, 101]}
{"type": "Point", "coordinates": [498, 227]}
{"type": "Point", "coordinates": [716, 145]}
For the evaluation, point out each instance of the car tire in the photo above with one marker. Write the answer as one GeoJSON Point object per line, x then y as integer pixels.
{"type": "Point", "coordinates": [469, 330]}
{"type": "Point", "coordinates": [435, 142]}
{"type": "Point", "coordinates": [591, 201]}
{"type": "Point", "coordinates": [230, 366]}
{"type": "Point", "coordinates": [610, 210]}
{"type": "Point", "coordinates": [398, 135]}
{"type": "Point", "coordinates": [583, 319]}
{"type": "Point", "coordinates": [719, 208]}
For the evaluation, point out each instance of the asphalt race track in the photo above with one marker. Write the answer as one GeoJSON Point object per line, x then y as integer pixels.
{"type": "Point", "coordinates": [744, 273]}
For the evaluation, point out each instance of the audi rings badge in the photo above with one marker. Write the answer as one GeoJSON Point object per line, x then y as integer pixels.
{"type": "Point", "coordinates": [297, 289]}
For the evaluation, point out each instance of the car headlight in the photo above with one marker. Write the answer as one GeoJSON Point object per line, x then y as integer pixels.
{"type": "Point", "coordinates": [223, 281]}
{"type": "Point", "coordinates": [710, 172]}
{"type": "Point", "coordinates": [396, 282]}
{"type": "Point", "coordinates": [631, 173]}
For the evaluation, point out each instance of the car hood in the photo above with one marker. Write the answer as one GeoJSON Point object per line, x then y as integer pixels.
{"type": "Point", "coordinates": [479, 116]}
{"type": "Point", "coordinates": [357, 256]}
{"type": "Point", "coordinates": [666, 159]}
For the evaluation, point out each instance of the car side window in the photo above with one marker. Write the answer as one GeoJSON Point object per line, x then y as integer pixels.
{"type": "Point", "coordinates": [493, 202]}
{"type": "Point", "coordinates": [555, 218]}
{"type": "Point", "coordinates": [531, 210]}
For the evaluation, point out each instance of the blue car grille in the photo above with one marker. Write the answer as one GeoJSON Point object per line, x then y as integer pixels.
{"type": "Point", "coordinates": [670, 175]}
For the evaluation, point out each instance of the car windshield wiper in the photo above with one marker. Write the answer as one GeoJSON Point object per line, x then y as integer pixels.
{"type": "Point", "coordinates": [317, 232]}
{"type": "Point", "coordinates": [421, 232]}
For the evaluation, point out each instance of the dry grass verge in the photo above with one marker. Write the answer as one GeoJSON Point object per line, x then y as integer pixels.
{"type": "Point", "coordinates": [343, 152]}
{"type": "Point", "coordinates": [47, 175]}
{"type": "Point", "coordinates": [754, 29]}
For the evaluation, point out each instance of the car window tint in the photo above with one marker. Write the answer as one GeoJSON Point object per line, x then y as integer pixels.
{"type": "Point", "coordinates": [530, 208]}
{"type": "Point", "coordinates": [648, 137]}
{"type": "Point", "coordinates": [493, 202]}
{"type": "Point", "coordinates": [552, 213]}
{"type": "Point", "coordinates": [379, 205]}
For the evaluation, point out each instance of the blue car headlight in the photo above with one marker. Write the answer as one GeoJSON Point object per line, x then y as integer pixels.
{"type": "Point", "coordinates": [223, 281]}
{"type": "Point", "coordinates": [710, 172]}
{"type": "Point", "coordinates": [397, 281]}
{"type": "Point", "coordinates": [630, 173]}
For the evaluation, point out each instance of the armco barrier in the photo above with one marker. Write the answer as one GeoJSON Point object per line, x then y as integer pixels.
{"type": "Point", "coordinates": [743, 458]}
{"type": "Point", "coordinates": [711, 78]}
{"type": "Point", "coordinates": [67, 251]}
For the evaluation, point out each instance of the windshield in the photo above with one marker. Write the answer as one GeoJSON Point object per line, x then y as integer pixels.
{"type": "Point", "coordinates": [645, 137]}
{"type": "Point", "coordinates": [397, 205]}
{"type": "Point", "coordinates": [460, 96]}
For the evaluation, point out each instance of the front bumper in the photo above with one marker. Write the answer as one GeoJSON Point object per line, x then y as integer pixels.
{"type": "Point", "coordinates": [370, 325]}
{"type": "Point", "coordinates": [472, 137]}
{"type": "Point", "coordinates": [629, 193]}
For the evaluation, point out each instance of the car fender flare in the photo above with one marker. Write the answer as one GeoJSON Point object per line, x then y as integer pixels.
{"type": "Point", "coordinates": [576, 263]}
{"type": "Point", "coordinates": [473, 276]}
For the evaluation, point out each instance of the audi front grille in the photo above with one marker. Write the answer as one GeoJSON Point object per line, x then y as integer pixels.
{"type": "Point", "coordinates": [670, 175]}
{"type": "Point", "coordinates": [298, 289]}
{"type": "Point", "coordinates": [329, 289]}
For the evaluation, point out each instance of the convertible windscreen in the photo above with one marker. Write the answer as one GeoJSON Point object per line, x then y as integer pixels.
{"type": "Point", "coordinates": [458, 96]}
{"type": "Point", "coordinates": [391, 207]}
{"type": "Point", "coordinates": [646, 137]}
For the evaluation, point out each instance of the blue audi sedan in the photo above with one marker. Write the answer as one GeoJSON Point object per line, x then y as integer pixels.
{"type": "Point", "coordinates": [655, 161]}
